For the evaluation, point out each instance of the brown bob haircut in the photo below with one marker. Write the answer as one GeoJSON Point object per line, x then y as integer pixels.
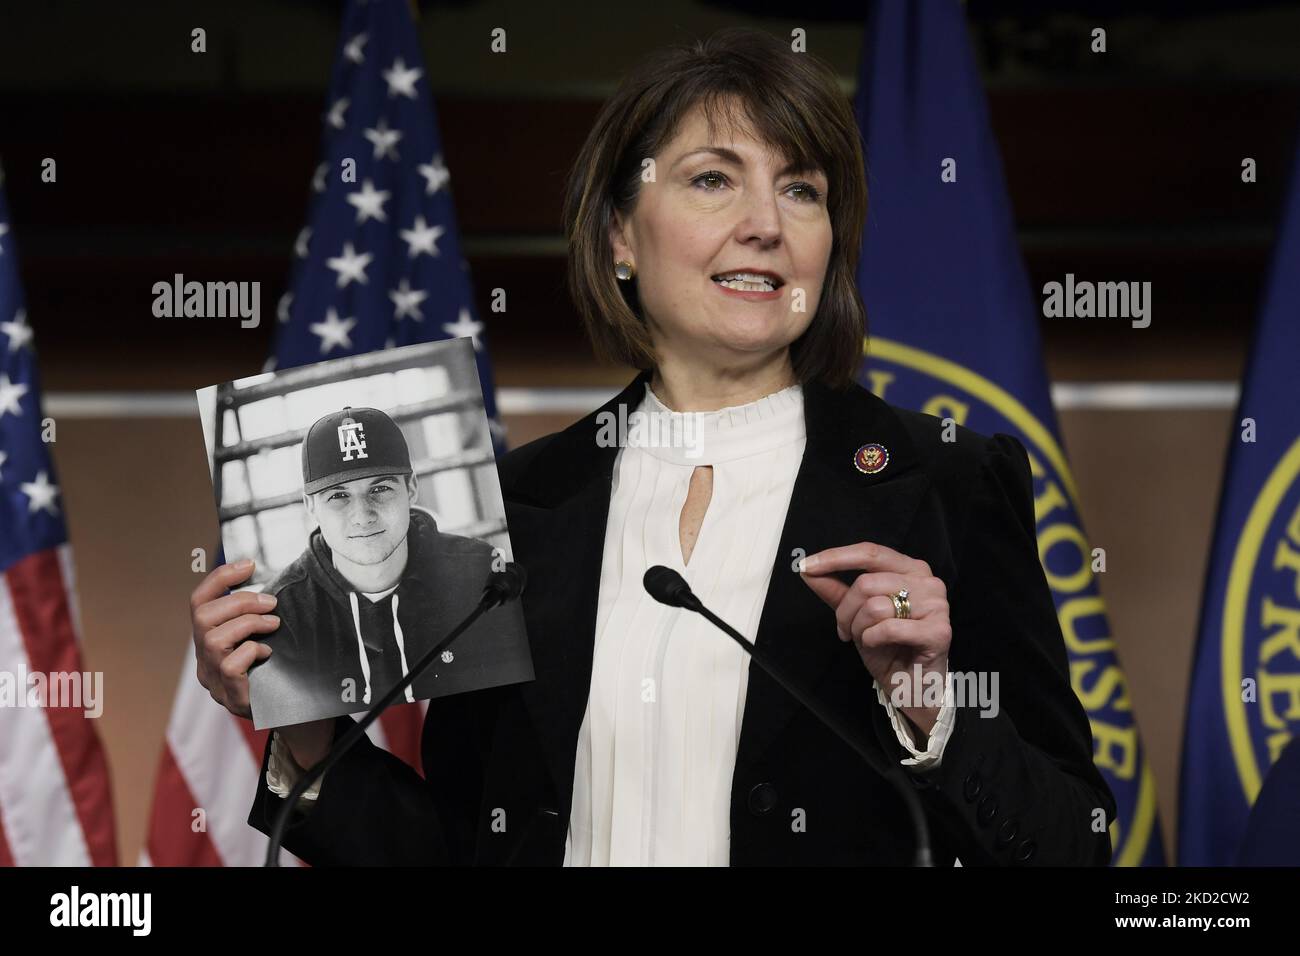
{"type": "Point", "coordinates": [743, 79]}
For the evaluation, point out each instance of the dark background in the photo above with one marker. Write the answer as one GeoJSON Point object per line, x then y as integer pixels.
{"type": "Point", "coordinates": [171, 161]}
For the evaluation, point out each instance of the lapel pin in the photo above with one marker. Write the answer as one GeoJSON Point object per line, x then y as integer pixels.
{"type": "Point", "coordinates": [871, 458]}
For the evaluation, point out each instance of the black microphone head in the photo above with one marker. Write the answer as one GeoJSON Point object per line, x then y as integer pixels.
{"type": "Point", "coordinates": [508, 583]}
{"type": "Point", "coordinates": [668, 587]}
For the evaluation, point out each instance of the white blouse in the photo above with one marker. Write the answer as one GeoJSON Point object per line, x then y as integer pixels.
{"type": "Point", "coordinates": [658, 741]}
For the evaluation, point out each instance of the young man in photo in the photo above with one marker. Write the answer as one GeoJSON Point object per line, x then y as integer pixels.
{"type": "Point", "coordinates": [377, 586]}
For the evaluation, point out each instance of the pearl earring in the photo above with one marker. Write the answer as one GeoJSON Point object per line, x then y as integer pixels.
{"type": "Point", "coordinates": [624, 270]}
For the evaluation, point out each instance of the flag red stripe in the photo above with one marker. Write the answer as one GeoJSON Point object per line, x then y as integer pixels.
{"type": "Point", "coordinates": [41, 608]}
{"type": "Point", "coordinates": [402, 725]}
{"type": "Point", "coordinates": [172, 840]}
{"type": "Point", "coordinates": [6, 854]}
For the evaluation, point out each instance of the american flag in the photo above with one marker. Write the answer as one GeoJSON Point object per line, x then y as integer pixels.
{"type": "Point", "coordinates": [378, 265]}
{"type": "Point", "coordinates": [56, 806]}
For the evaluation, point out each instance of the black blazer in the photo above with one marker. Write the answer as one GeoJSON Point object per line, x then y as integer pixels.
{"type": "Point", "coordinates": [1017, 788]}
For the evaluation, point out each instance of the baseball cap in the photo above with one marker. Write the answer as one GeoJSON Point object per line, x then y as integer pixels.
{"type": "Point", "coordinates": [354, 443]}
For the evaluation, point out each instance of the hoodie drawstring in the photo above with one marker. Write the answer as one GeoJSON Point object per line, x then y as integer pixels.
{"type": "Point", "coordinates": [361, 647]}
{"type": "Point", "coordinates": [401, 648]}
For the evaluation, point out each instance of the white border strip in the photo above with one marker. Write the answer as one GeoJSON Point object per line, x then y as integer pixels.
{"type": "Point", "coordinates": [1068, 396]}
{"type": "Point", "coordinates": [121, 405]}
{"type": "Point", "coordinates": [552, 401]}
{"type": "Point", "coordinates": [1145, 396]}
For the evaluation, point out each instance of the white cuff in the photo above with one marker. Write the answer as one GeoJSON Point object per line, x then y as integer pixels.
{"type": "Point", "coordinates": [932, 756]}
{"type": "Point", "coordinates": [282, 772]}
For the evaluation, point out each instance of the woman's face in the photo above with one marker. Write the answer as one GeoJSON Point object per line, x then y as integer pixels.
{"type": "Point", "coordinates": [722, 207]}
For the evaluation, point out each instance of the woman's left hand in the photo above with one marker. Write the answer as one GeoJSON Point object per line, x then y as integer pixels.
{"type": "Point", "coordinates": [865, 614]}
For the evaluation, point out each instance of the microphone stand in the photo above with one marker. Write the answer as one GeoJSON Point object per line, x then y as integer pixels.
{"type": "Point", "coordinates": [493, 595]}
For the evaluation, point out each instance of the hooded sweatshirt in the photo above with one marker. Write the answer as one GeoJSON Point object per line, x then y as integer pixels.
{"type": "Point", "coordinates": [336, 651]}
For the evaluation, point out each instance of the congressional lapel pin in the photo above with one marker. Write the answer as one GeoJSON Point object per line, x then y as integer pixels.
{"type": "Point", "coordinates": [871, 458]}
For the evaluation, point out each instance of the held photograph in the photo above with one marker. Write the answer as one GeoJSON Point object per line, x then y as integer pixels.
{"type": "Point", "coordinates": [365, 491]}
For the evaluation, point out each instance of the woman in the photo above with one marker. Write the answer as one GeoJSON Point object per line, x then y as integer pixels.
{"type": "Point", "coordinates": [714, 217]}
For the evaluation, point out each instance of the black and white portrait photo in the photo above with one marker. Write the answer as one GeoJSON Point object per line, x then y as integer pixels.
{"type": "Point", "coordinates": [365, 490]}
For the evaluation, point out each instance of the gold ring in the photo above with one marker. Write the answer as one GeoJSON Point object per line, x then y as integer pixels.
{"type": "Point", "coordinates": [902, 606]}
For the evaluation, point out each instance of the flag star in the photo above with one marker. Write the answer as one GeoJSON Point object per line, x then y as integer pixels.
{"type": "Point", "coordinates": [335, 117]}
{"type": "Point", "coordinates": [353, 49]}
{"type": "Point", "coordinates": [400, 80]}
{"type": "Point", "coordinates": [369, 202]}
{"type": "Point", "coordinates": [385, 139]}
{"type": "Point", "coordinates": [3, 457]}
{"type": "Point", "coordinates": [300, 244]}
{"type": "Point", "coordinates": [40, 494]}
{"type": "Point", "coordinates": [390, 342]}
{"type": "Point", "coordinates": [407, 301]}
{"type": "Point", "coordinates": [4, 227]}
{"type": "Point", "coordinates": [351, 265]}
{"type": "Point", "coordinates": [18, 331]}
{"type": "Point", "coordinates": [435, 174]}
{"type": "Point", "coordinates": [269, 365]}
{"type": "Point", "coordinates": [464, 325]}
{"type": "Point", "coordinates": [318, 178]}
{"type": "Point", "coordinates": [333, 331]}
{"type": "Point", "coordinates": [10, 393]}
{"type": "Point", "coordinates": [282, 309]}
{"type": "Point", "coordinates": [421, 237]}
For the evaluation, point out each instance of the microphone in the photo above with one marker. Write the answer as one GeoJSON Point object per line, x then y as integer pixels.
{"type": "Point", "coordinates": [501, 587]}
{"type": "Point", "coordinates": [505, 585]}
{"type": "Point", "coordinates": [668, 587]}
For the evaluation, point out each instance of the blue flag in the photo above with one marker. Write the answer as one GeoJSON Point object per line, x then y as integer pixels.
{"type": "Point", "coordinates": [954, 333]}
{"type": "Point", "coordinates": [1244, 703]}
{"type": "Point", "coordinates": [378, 264]}
{"type": "Point", "coordinates": [31, 512]}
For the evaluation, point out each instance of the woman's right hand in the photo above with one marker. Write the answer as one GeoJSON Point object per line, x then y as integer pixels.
{"type": "Point", "coordinates": [222, 626]}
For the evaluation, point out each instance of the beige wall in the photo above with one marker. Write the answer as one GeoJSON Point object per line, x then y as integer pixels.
{"type": "Point", "coordinates": [138, 499]}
